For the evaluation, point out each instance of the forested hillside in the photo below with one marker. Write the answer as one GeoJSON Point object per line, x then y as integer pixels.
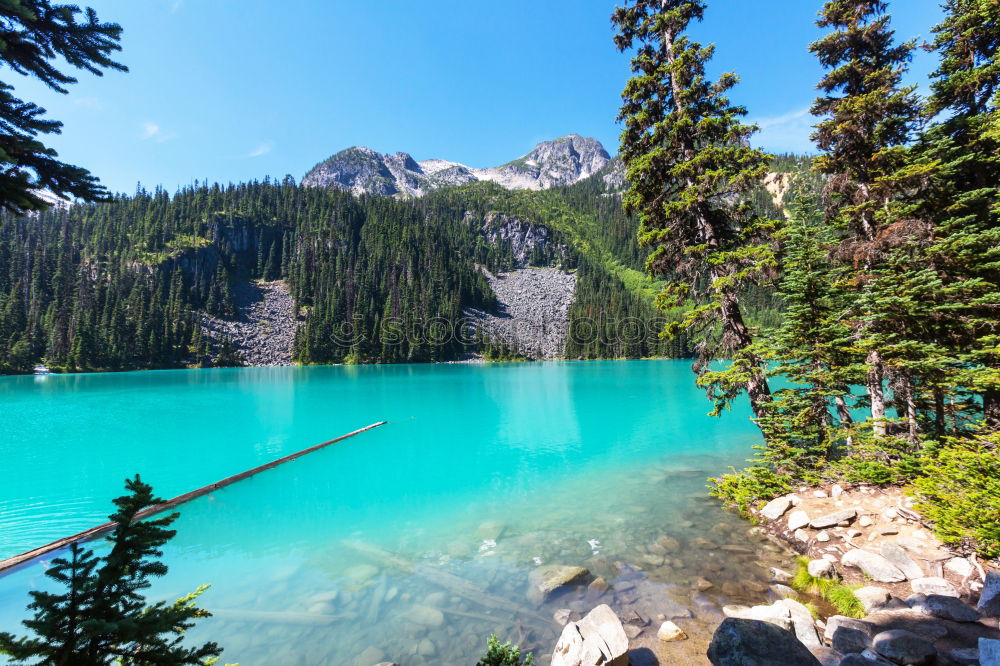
{"type": "Point", "coordinates": [121, 285]}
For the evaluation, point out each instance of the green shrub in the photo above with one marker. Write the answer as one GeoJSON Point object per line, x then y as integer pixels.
{"type": "Point", "coordinates": [839, 596]}
{"type": "Point", "coordinates": [506, 654]}
{"type": "Point", "coordinates": [745, 488]}
{"type": "Point", "coordinates": [960, 492]}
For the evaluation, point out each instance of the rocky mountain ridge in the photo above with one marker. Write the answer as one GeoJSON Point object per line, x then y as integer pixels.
{"type": "Point", "coordinates": [361, 170]}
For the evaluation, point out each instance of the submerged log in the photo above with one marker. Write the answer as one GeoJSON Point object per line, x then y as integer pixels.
{"type": "Point", "coordinates": [449, 581]}
{"type": "Point", "coordinates": [273, 617]}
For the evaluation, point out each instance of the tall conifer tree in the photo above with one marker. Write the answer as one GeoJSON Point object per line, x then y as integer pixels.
{"type": "Point", "coordinates": [690, 172]}
{"type": "Point", "coordinates": [867, 116]}
{"type": "Point", "coordinates": [965, 200]}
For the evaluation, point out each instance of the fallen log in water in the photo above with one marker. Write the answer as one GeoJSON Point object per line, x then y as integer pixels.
{"type": "Point", "coordinates": [169, 504]}
{"type": "Point", "coordinates": [454, 584]}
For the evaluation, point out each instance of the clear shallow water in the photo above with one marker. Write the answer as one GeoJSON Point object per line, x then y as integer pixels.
{"type": "Point", "coordinates": [483, 472]}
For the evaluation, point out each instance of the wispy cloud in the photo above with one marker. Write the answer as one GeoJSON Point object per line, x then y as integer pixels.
{"type": "Point", "coordinates": [262, 149]}
{"type": "Point", "coordinates": [174, 5]}
{"type": "Point", "coordinates": [149, 130]}
{"type": "Point", "coordinates": [152, 131]}
{"type": "Point", "coordinates": [788, 132]}
{"type": "Point", "coordinates": [92, 103]}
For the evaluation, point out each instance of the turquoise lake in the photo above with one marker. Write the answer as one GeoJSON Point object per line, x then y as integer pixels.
{"type": "Point", "coordinates": [483, 472]}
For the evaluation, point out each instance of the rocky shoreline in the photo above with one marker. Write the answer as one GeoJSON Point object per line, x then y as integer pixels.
{"type": "Point", "coordinates": [923, 604]}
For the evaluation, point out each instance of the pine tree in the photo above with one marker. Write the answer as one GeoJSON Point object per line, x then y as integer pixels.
{"type": "Point", "coordinates": [690, 172]}
{"type": "Point", "coordinates": [102, 617]}
{"type": "Point", "coordinates": [867, 119]}
{"type": "Point", "coordinates": [36, 34]}
{"type": "Point", "coordinates": [964, 202]}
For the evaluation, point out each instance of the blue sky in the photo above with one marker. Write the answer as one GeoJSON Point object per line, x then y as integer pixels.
{"type": "Point", "coordinates": [230, 90]}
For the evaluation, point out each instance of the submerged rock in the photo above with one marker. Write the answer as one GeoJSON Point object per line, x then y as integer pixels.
{"type": "Point", "coordinates": [669, 631]}
{"type": "Point", "coordinates": [426, 616]}
{"type": "Point", "coordinates": [545, 580]}
{"type": "Point", "coordinates": [597, 640]}
{"type": "Point", "coordinates": [739, 642]}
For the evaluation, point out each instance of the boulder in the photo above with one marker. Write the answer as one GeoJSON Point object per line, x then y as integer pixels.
{"type": "Point", "coordinates": [834, 622]}
{"type": "Point", "coordinates": [946, 608]}
{"type": "Point", "coordinates": [833, 519]}
{"type": "Point", "coordinates": [859, 660]}
{"type": "Point", "coordinates": [777, 614]}
{"type": "Point", "coordinates": [739, 642]}
{"type": "Point", "coordinates": [904, 647]}
{"type": "Point", "coordinates": [933, 585]}
{"type": "Point", "coordinates": [597, 640]}
{"type": "Point", "coordinates": [873, 565]}
{"type": "Point", "coordinates": [780, 575]}
{"type": "Point", "coordinates": [783, 591]}
{"type": "Point", "coordinates": [965, 656]}
{"type": "Point", "coordinates": [989, 598]}
{"type": "Point", "coordinates": [873, 598]}
{"type": "Point", "coordinates": [901, 560]}
{"type": "Point", "coordinates": [776, 508]}
{"type": "Point", "coordinates": [821, 569]}
{"type": "Point", "coordinates": [960, 567]}
{"type": "Point", "coordinates": [848, 635]}
{"type": "Point", "coordinates": [989, 652]}
{"type": "Point", "coordinates": [669, 631]}
{"type": "Point", "coordinates": [803, 624]}
{"type": "Point", "coordinates": [875, 659]}
{"type": "Point", "coordinates": [545, 580]}
{"type": "Point", "coordinates": [826, 656]}
{"type": "Point", "coordinates": [797, 520]}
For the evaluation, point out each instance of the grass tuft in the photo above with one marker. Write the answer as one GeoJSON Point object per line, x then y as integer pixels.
{"type": "Point", "coordinates": [838, 595]}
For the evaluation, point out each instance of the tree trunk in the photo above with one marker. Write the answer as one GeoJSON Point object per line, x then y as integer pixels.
{"type": "Point", "coordinates": [844, 414]}
{"type": "Point", "coordinates": [876, 393]}
{"type": "Point", "coordinates": [911, 413]}
{"type": "Point", "coordinates": [991, 408]}
{"type": "Point", "coordinates": [939, 423]}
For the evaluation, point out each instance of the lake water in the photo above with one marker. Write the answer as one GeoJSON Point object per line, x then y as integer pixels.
{"type": "Point", "coordinates": [369, 548]}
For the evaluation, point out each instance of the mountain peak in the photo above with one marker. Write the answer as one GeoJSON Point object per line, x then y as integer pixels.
{"type": "Point", "coordinates": [560, 161]}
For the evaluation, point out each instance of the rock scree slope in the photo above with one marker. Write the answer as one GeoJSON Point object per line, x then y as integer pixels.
{"type": "Point", "coordinates": [264, 329]}
{"type": "Point", "coordinates": [532, 313]}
